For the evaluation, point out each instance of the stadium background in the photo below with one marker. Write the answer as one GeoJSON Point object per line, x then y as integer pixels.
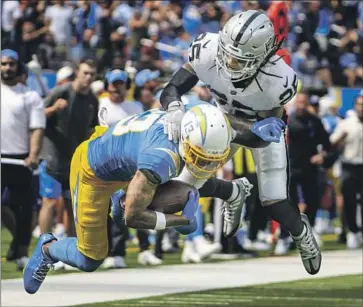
{"type": "Point", "coordinates": [324, 40]}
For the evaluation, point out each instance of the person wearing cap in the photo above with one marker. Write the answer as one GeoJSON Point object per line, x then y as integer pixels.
{"type": "Point", "coordinates": [22, 114]}
{"type": "Point", "coordinates": [71, 112]}
{"type": "Point", "coordinates": [64, 75]}
{"type": "Point", "coordinates": [115, 107]}
{"type": "Point", "coordinates": [148, 79]}
{"type": "Point", "coordinates": [146, 82]}
{"type": "Point", "coordinates": [349, 136]}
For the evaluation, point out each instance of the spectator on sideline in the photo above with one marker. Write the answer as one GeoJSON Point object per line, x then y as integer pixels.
{"type": "Point", "coordinates": [22, 112]}
{"type": "Point", "coordinates": [146, 82]}
{"type": "Point", "coordinates": [112, 109]}
{"type": "Point", "coordinates": [71, 112]}
{"type": "Point", "coordinates": [349, 134]}
{"type": "Point", "coordinates": [305, 133]}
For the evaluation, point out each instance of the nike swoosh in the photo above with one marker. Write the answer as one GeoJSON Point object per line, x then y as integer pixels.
{"type": "Point", "coordinates": [287, 80]}
{"type": "Point", "coordinates": [260, 128]}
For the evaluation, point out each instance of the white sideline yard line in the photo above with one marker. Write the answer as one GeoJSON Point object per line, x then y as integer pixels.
{"type": "Point", "coordinates": [84, 288]}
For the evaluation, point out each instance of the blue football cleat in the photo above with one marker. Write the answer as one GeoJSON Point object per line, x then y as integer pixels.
{"type": "Point", "coordinates": [38, 265]}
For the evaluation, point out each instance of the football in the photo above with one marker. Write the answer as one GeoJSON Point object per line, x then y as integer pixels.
{"type": "Point", "coordinates": [171, 197]}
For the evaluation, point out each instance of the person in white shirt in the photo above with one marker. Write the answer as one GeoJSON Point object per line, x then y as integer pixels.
{"type": "Point", "coordinates": [59, 19]}
{"type": "Point", "coordinates": [114, 107]}
{"type": "Point", "coordinates": [22, 130]}
{"type": "Point", "coordinates": [349, 135]}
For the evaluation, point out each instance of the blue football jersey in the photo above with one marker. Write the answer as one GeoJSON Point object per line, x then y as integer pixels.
{"type": "Point", "coordinates": [136, 142]}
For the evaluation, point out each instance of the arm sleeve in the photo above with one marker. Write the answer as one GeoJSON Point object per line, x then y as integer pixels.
{"type": "Point", "coordinates": [162, 162]}
{"type": "Point", "coordinates": [53, 96]}
{"type": "Point", "coordinates": [37, 117]}
{"type": "Point", "coordinates": [338, 132]}
{"type": "Point", "coordinates": [182, 82]}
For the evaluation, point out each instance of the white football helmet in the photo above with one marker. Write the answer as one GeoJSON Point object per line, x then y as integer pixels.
{"type": "Point", "coordinates": [205, 140]}
{"type": "Point", "coordinates": [244, 43]}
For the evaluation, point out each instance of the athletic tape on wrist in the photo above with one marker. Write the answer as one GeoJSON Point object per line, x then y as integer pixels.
{"type": "Point", "coordinates": [160, 221]}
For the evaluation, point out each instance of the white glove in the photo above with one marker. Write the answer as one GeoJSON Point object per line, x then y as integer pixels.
{"type": "Point", "coordinates": [173, 120]}
{"type": "Point", "coordinates": [34, 65]}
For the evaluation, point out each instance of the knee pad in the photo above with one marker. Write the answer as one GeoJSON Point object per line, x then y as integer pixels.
{"type": "Point", "coordinates": [272, 171]}
{"type": "Point", "coordinates": [87, 264]}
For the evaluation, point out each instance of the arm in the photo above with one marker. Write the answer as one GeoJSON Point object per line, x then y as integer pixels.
{"type": "Point", "coordinates": [36, 126]}
{"type": "Point", "coordinates": [182, 82]}
{"type": "Point", "coordinates": [36, 142]}
{"type": "Point", "coordinates": [339, 135]}
{"type": "Point", "coordinates": [139, 195]}
{"type": "Point", "coordinates": [243, 133]}
{"type": "Point", "coordinates": [54, 101]}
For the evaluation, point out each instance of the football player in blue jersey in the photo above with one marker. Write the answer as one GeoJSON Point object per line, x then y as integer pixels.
{"type": "Point", "coordinates": [136, 156]}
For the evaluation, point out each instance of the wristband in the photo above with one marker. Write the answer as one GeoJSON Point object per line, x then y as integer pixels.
{"type": "Point", "coordinates": [160, 221]}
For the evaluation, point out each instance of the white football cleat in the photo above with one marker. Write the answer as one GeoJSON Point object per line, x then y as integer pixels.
{"type": "Point", "coordinates": [232, 210]}
{"type": "Point", "coordinates": [148, 258]}
{"type": "Point", "coordinates": [354, 240]}
{"type": "Point", "coordinates": [116, 262]}
{"type": "Point", "coordinates": [59, 266]}
{"type": "Point", "coordinates": [204, 248]}
{"type": "Point", "coordinates": [282, 246]}
{"type": "Point", "coordinates": [189, 254]}
{"type": "Point", "coordinates": [256, 245]}
{"type": "Point", "coordinates": [21, 263]}
{"type": "Point", "coordinates": [309, 249]}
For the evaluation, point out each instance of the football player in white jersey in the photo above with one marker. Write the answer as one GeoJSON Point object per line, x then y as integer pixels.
{"type": "Point", "coordinates": [251, 84]}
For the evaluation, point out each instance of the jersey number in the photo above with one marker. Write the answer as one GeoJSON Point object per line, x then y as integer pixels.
{"type": "Point", "coordinates": [136, 123]}
{"type": "Point", "coordinates": [195, 47]}
{"type": "Point", "coordinates": [289, 93]}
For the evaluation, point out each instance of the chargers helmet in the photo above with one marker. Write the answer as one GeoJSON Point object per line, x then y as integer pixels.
{"type": "Point", "coordinates": [205, 140]}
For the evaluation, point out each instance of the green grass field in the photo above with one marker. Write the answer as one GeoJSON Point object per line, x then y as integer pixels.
{"type": "Point", "coordinates": [341, 291]}
{"type": "Point", "coordinates": [8, 269]}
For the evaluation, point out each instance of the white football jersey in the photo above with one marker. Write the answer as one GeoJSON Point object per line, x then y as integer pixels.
{"type": "Point", "coordinates": [275, 84]}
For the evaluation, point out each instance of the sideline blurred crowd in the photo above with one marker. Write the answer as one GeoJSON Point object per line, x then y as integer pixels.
{"type": "Point", "coordinates": [132, 47]}
{"type": "Point", "coordinates": [325, 37]}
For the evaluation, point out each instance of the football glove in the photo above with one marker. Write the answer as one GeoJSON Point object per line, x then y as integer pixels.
{"type": "Point", "coordinates": [269, 129]}
{"type": "Point", "coordinates": [173, 120]}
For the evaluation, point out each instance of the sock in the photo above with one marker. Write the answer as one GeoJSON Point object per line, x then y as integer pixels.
{"type": "Point", "coordinates": [199, 231]}
{"type": "Point", "coordinates": [66, 251]}
{"type": "Point", "coordinates": [217, 188]}
{"type": "Point", "coordinates": [287, 215]}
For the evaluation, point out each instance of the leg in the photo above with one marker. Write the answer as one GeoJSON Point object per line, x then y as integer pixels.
{"type": "Point", "coordinates": [310, 188]}
{"type": "Point", "coordinates": [50, 191]}
{"type": "Point", "coordinates": [7, 213]}
{"type": "Point", "coordinates": [272, 174]}
{"type": "Point", "coordinates": [349, 191]}
{"type": "Point", "coordinates": [90, 198]}
{"type": "Point", "coordinates": [22, 200]}
{"type": "Point", "coordinates": [143, 236]}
